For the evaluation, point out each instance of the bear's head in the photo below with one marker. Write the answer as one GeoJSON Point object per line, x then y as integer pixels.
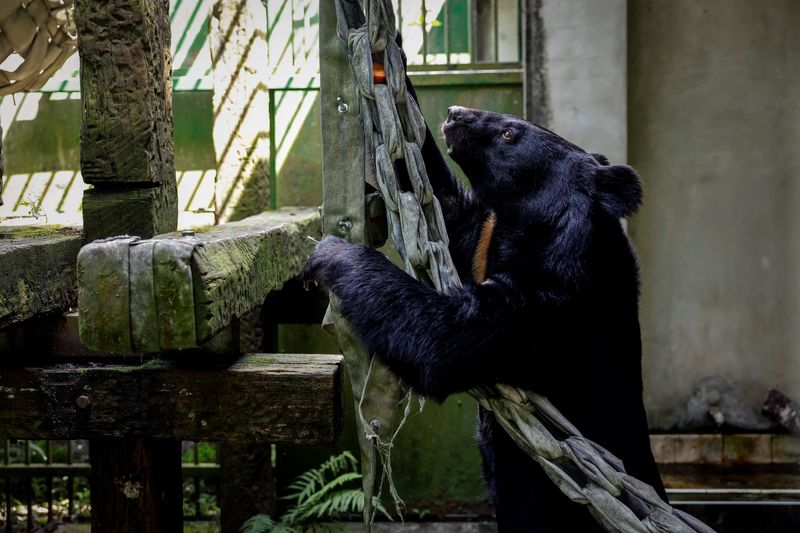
{"type": "Point", "coordinates": [532, 176]}
{"type": "Point", "coordinates": [508, 159]}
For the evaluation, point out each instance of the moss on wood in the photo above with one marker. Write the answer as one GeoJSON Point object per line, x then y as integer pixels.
{"type": "Point", "coordinates": [239, 265]}
{"type": "Point", "coordinates": [38, 272]}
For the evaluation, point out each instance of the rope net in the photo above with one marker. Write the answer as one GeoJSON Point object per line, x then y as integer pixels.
{"type": "Point", "coordinates": [394, 128]}
{"type": "Point", "coordinates": [36, 38]}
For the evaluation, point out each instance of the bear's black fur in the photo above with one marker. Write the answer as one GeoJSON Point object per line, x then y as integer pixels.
{"type": "Point", "coordinates": [557, 314]}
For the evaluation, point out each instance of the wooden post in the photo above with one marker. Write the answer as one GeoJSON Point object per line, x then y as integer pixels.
{"type": "Point", "coordinates": [248, 487]}
{"type": "Point", "coordinates": [127, 154]}
{"type": "Point", "coordinates": [126, 133]}
{"type": "Point", "coordinates": [132, 489]}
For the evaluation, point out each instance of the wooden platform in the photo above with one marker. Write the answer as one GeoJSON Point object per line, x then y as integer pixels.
{"type": "Point", "coordinates": [260, 398]}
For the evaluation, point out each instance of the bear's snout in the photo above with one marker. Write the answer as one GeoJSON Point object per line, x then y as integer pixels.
{"type": "Point", "coordinates": [454, 113]}
{"type": "Point", "coordinates": [457, 116]}
{"type": "Point", "coordinates": [457, 113]}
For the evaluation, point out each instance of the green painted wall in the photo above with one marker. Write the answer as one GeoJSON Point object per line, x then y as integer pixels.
{"type": "Point", "coordinates": [51, 141]}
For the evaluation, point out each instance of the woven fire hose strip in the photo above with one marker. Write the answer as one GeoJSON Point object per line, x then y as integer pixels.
{"type": "Point", "coordinates": [394, 122]}
{"type": "Point", "coordinates": [42, 33]}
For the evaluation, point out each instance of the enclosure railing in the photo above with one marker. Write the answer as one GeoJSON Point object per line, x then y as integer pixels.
{"type": "Point", "coordinates": [50, 480]}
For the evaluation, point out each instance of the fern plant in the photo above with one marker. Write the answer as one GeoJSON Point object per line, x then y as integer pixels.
{"type": "Point", "coordinates": [319, 495]}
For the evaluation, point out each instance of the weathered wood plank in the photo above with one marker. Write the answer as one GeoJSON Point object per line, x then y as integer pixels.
{"type": "Point", "coordinates": [126, 132]}
{"type": "Point", "coordinates": [240, 263]}
{"type": "Point", "coordinates": [174, 292]}
{"type": "Point", "coordinates": [143, 212]}
{"type": "Point", "coordinates": [344, 164]}
{"type": "Point", "coordinates": [233, 267]}
{"type": "Point", "coordinates": [37, 271]}
{"type": "Point", "coordinates": [260, 398]}
{"type": "Point", "coordinates": [105, 263]}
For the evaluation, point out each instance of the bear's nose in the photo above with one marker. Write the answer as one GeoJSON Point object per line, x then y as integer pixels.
{"type": "Point", "coordinates": [454, 113]}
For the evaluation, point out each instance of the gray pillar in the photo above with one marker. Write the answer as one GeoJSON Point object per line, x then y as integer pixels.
{"type": "Point", "coordinates": [575, 65]}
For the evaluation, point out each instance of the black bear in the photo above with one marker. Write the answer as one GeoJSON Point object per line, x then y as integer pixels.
{"type": "Point", "coordinates": [549, 302]}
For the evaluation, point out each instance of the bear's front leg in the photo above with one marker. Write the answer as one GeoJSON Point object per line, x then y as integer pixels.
{"type": "Point", "coordinates": [439, 344]}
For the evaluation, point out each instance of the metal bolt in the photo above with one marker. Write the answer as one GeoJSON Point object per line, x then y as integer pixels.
{"type": "Point", "coordinates": [342, 107]}
{"type": "Point", "coordinates": [83, 401]}
{"type": "Point", "coordinates": [345, 225]}
{"type": "Point", "coordinates": [375, 423]}
{"type": "Point", "coordinates": [187, 233]}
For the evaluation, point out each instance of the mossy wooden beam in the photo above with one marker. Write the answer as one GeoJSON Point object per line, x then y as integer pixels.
{"type": "Point", "coordinates": [174, 292]}
{"type": "Point", "coordinates": [37, 271]}
{"type": "Point", "coordinates": [260, 398]}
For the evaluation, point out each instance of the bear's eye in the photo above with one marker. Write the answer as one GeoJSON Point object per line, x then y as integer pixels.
{"type": "Point", "coordinates": [508, 135]}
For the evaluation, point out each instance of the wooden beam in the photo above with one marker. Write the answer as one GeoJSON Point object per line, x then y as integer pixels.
{"type": "Point", "coordinates": [185, 289]}
{"type": "Point", "coordinates": [284, 398]}
{"type": "Point", "coordinates": [37, 275]}
{"type": "Point", "coordinates": [126, 130]}
{"type": "Point", "coordinates": [144, 211]}
{"type": "Point", "coordinates": [126, 134]}
{"type": "Point", "coordinates": [241, 262]}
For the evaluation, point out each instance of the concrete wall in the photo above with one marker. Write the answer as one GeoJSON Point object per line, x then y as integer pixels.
{"type": "Point", "coordinates": [576, 61]}
{"type": "Point", "coordinates": [714, 130]}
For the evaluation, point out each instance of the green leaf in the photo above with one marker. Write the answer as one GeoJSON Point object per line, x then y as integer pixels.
{"type": "Point", "coordinates": [319, 495]}
{"type": "Point", "coordinates": [260, 523]}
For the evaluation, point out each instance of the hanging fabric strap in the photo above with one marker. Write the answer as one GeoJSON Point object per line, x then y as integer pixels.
{"type": "Point", "coordinates": [395, 129]}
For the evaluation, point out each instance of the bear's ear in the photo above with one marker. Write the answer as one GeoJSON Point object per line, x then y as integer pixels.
{"type": "Point", "coordinates": [619, 190]}
{"type": "Point", "coordinates": [600, 158]}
